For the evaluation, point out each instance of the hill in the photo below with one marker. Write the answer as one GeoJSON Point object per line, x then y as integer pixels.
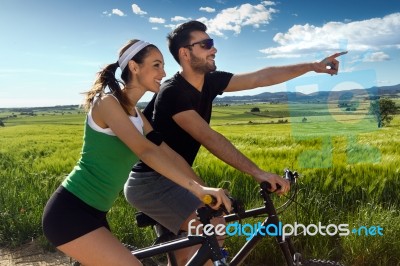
{"type": "Point", "coordinates": [320, 96]}
{"type": "Point", "coordinates": [272, 97]}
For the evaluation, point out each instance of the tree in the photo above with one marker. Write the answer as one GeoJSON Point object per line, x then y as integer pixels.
{"type": "Point", "coordinates": [383, 111]}
{"type": "Point", "coordinates": [255, 109]}
{"type": "Point", "coordinates": [2, 124]}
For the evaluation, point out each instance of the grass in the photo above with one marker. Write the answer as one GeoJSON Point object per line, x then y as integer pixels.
{"type": "Point", "coordinates": [349, 174]}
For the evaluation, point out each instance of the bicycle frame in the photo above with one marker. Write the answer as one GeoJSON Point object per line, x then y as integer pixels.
{"type": "Point", "coordinates": [286, 246]}
{"type": "Point", "coordinates": [209, 244]}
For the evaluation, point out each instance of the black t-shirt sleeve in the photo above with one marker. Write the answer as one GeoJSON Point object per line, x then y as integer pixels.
{"type": "Point", "coordinates": [218, 81]}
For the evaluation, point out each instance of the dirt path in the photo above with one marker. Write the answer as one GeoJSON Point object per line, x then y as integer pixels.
{"type": "Point", "coordinates": [33, 255]}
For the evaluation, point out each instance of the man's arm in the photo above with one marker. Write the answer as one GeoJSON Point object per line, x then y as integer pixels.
{"type": "Point", "coordinates": [175, 157]}
{"type": "Point", "coordinates": [217, 144]}
{"type": "Point", "coordinates": [274, 75]}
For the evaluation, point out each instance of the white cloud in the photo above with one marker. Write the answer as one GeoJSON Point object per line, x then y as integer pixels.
{"type": "Point", "coordinates": [156, 20]}
{"type": "Point", "coordinates": [170, 26]}
{"type": "Point", "coordinates": [366, 35]}
{"type": "Point", "coordinates": [118, 12]}
{"type": "Point", "coordinates": [376, 57]}
{"type": "Point", "coordinates": [207, 9]}
{"type": "Point", "coordinates": [137, 10]}
{"type": "Point", "coordinates": [115, 11]}
{"type": "Point", "coordinates": [383, 82]}
{"type": "Point", "coordinates": [235, 18]}
{"type": "Point", "coordinates": [179, 18]}
{"type": "Point", "coordinates": [268, 3]}
{"type": "Point", "coordinates": [154, 28]}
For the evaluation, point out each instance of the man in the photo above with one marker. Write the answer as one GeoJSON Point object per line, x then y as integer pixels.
{"type": "Point", "coordinates": [182, 112]}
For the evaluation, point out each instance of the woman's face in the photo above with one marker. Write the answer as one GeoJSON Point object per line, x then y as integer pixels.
{"type": "Point", "coordinates": [151, 71]}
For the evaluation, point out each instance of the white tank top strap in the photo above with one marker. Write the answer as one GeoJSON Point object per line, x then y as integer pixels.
{"type": "Point", "coordinates": [136, 121]}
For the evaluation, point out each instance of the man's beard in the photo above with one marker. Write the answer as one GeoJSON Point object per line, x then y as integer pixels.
{"type": "Point", "coordinates": [201, 66]}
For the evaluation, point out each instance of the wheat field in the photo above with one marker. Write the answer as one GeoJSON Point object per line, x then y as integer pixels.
{"type": "Point", "coordinates": [349, 173]}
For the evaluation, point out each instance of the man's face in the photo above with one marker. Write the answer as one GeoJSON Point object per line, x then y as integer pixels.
{"type": "Point", "coordinates": [202, 59]}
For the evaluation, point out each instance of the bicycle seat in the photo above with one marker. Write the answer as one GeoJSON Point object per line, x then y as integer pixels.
{"type": "Point", "coordinates": [163, 234]}
{"type": "Point", "coordinates": [142, 220]}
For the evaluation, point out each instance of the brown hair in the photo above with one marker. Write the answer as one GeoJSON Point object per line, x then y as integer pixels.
{"type": "Point", "coordinates": [181, 36]}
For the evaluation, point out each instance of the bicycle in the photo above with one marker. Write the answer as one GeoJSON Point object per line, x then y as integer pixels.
{"type": "Point", "coordinates": [209, 247]}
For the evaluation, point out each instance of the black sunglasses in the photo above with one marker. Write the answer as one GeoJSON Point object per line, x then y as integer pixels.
{"type": "Point", "coordinates": [206, 44]}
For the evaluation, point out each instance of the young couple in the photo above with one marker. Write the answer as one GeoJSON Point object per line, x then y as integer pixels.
{"type": "Point", "coordinates": [163, 141]}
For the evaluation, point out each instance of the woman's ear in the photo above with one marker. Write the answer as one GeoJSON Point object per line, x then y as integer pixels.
{"type": "Point", "coordinates": [133, 66]}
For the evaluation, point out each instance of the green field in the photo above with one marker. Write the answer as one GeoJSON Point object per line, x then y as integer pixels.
{"type": "Point", "coordinates": [350, 173]}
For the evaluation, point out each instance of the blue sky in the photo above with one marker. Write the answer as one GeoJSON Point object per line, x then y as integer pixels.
{"type": "Point", "coordinates": [51, 50]}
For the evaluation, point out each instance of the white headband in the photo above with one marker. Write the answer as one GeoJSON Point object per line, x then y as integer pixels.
{"type": "Point", "coordinates": [131, 52]}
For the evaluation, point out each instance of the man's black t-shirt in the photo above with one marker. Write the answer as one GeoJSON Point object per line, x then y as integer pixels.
{"type": "Point", "coordinates": [177, 95]}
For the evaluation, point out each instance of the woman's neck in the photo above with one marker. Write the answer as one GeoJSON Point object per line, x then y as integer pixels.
{"type": "Point", "coordinates": [133, 95]}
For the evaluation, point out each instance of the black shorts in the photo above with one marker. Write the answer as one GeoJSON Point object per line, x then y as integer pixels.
{"type": "Point", "coordinates": [66, 218]}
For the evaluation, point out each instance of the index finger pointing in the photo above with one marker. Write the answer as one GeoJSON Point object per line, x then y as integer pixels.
{"type": "Point", "coordinates": [338, 54]}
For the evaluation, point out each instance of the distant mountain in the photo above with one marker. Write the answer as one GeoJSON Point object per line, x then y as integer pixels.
{"type": "Point", "coordinates": [320, 96]}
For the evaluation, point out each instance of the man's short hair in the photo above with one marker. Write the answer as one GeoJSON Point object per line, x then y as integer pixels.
{"type": "Point", "coordinates": [181, 36]}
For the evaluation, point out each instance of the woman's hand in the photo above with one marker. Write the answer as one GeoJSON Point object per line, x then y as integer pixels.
{"type": "Point", "coordinates": [218, 195]}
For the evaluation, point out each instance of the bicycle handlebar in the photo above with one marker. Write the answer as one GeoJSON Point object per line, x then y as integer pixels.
{"type": "Point", "coordinates": [237, 206]}
{"type": "Point", "coordinates": [289, 175]}
{"type": "Point", "coordinates": [209, 199]}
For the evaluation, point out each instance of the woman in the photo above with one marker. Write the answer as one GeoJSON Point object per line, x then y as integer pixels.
{"type": "Point", "coordinates": [116, 136]}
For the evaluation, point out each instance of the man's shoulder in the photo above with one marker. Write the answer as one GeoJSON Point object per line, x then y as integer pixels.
{"type": "Point", "coordinates": [169, 81]}
{"type": "Point", "coordinates": [171, 85]}
{"type": "Point", "coordinates": [218, 73]}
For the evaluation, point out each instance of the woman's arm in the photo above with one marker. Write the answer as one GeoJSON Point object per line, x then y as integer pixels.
{"type": "Point", "coordinates": [160, 158]}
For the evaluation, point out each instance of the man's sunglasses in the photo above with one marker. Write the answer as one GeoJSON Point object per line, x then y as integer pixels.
{"type": "Point", "coordinates": [206, 44]}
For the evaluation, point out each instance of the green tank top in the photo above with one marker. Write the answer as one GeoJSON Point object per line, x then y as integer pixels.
{"type": "Point", "coordinates": [101, 171]}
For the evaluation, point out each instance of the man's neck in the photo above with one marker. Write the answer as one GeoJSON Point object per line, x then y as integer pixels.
{"type": "Point", "coordinates": [195, 79]}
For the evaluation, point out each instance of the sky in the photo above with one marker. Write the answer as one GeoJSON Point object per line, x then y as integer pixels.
{"type": "Point", "coordinates": [50, 51]}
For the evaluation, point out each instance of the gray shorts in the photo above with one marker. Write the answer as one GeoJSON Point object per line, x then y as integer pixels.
{"type": "Point", "coordinates": [160, 198]}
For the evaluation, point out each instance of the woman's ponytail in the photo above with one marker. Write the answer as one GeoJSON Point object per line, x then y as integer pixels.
{"type": "Point", "coordinates": [106, 78]}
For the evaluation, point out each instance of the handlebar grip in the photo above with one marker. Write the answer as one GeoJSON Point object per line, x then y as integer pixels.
{"type": "Point", "coordinates": [237, 206]}
{"type": "Point", "coordinates": [289, 175]}
{"type": "Point", "coordinates": [267, 186]}
{"type": "Point", "coordinates": [209, 200]}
